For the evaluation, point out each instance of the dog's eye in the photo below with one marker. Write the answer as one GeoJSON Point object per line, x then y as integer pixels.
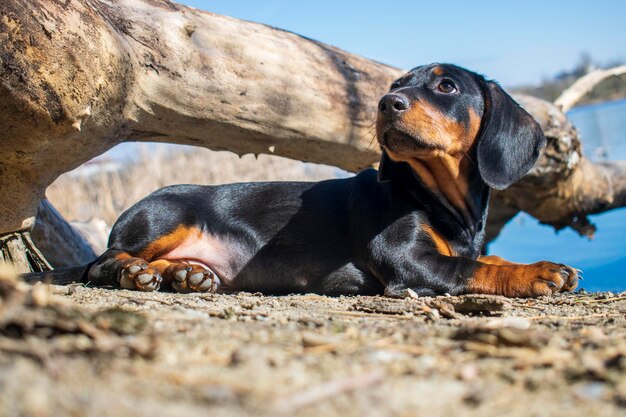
{"type": "Point", "coordinates": [446, 86]}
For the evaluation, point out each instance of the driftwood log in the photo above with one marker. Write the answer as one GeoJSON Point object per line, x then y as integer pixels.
{"type": "Point", "coordinates": [79, 76]}
{"type": "Point", "coordinates": [584, 85]}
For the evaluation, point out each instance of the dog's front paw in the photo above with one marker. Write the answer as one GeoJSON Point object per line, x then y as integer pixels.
{"type": "Point", "coordinates": [136, 274]}
{"type": "Point", "coordinates": [544, 278]}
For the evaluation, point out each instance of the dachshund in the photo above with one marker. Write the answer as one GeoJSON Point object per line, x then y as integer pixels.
{"type": "Point", "coordinates": [447, 136]}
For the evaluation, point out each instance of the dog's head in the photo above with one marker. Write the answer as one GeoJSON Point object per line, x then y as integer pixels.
{"type": "Point", "coordinates": [444, 110]}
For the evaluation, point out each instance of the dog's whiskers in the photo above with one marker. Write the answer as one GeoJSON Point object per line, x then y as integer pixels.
{"type": "Point", "coordinates": [470, 159]}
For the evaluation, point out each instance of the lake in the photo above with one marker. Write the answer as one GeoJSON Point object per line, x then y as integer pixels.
{"type": "Point", "coordinates": [603, 259]}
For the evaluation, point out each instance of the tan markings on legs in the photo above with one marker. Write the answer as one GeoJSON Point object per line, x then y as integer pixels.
{"type": "Point", "coordinates": [495, 260]}
{"type": "Point", "coordinates": [161, 265]}
{"type": "Point", "coordinates": [541, 278]}
{"type": "Point", "coordinates": [122, 256]}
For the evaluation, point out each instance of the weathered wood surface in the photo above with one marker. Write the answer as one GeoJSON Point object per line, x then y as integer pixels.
{"type": "Point", "coordinates": [18, 249]}
{"type": "Point", "coordinates": [79, 76]}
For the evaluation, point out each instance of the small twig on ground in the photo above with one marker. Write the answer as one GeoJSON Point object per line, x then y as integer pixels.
{"type": "Point", "coordinates": [370, 315]}
{"type": "Point", "coordinates": [327, 390]}
{"type": "Point", "coordinates": [142, 298]}
{"type": "Point", "coordinates": [588, 316]}
{"type": "Point", "coordinates": [527, 306]}
{"type": "Point", "coordinates": [606, 300]}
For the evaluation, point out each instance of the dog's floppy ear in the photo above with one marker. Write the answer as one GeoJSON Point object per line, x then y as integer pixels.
{"type": "Point", "coordinates": [510, 139]}
{"type": "Point", "coordinates": [385, 168]}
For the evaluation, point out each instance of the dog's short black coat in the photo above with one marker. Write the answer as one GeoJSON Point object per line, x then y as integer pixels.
{"type": "Point", "coordinates": [447, 135]}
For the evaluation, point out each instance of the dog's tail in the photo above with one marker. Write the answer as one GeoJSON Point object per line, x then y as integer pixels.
{"type": "Point", "coordinates": [64, 276]}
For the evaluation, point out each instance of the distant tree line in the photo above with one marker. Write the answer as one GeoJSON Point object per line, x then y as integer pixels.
{"type": "Point", "coordinates": [613, 88]}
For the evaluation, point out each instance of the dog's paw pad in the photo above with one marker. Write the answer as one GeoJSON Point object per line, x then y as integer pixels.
{"type": "Point", "coordinates": [137, 275]}
{"type": "Point", "coordinates": [192, 278]}
{"type": "Point", "coordinates": [181, 274]}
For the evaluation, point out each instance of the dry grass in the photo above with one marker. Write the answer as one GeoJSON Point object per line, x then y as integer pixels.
{"type": "Point", "coordinates": [105, 194]}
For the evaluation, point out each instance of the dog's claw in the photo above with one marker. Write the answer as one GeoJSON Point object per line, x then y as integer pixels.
{"type": "Point", "coordinates": [551, 284]}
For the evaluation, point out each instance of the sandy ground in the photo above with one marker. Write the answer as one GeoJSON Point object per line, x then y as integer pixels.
{"type": "Point", "coordinates": [76, 351]}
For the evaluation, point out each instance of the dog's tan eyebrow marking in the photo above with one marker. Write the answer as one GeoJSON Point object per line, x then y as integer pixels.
{"type": "Point", "coordinates": [438, 71]}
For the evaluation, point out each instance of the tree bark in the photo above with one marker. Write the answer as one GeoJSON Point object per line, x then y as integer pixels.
{"type": "Point", "coordinates": [79, 76]}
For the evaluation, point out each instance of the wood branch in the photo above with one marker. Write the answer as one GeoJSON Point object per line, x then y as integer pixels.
{"type": "Point", "coordinates": [583, 86]}
{"type": "Point", "coordinates": [18, 249]}
{"type": "Point", "coordinates": [79, 76]}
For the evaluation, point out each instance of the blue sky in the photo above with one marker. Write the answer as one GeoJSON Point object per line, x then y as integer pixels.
{"type": "Point", "coordinates": [513, 42]}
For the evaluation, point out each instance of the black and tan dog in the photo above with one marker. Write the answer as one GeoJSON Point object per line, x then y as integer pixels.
{"type": "Point", "coordinates": [447, 136]}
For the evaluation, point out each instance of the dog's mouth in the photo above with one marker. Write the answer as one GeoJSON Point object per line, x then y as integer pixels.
{"type": "Point", "coordinates": [399, 141]}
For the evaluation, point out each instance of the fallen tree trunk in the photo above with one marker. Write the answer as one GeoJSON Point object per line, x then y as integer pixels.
{"type": "Point", "coordinates": [79, 76]}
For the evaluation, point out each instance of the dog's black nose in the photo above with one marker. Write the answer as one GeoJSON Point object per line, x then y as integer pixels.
{"type": "Point", "coordinates": [393, 103]}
